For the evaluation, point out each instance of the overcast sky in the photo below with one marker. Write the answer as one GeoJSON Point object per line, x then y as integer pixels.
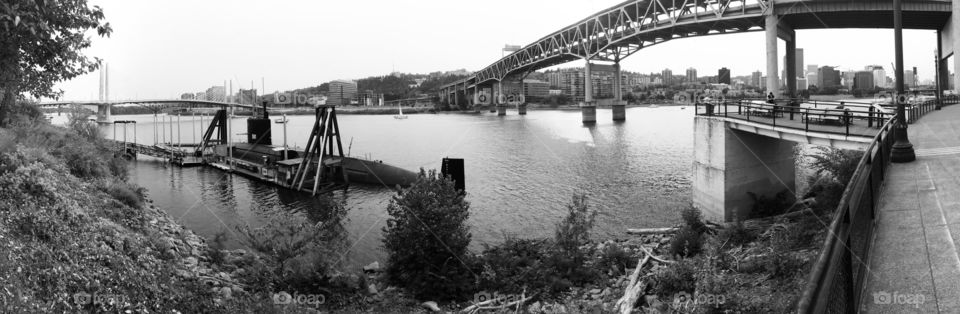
{"type": "Point", "coordinates": [160, 49]}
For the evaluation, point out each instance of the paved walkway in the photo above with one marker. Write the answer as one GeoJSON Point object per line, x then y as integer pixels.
{"type": "Point", "coordinates": [915, 266]}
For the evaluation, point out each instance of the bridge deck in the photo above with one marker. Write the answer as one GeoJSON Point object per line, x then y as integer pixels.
{"type": "Point", "coordinates": [805, 120]}
{"type": "Point", "coordinates": [918, 229]}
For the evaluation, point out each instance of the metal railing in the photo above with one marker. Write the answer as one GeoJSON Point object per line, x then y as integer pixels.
{"type": "Point", "coordinates": [836, 279]}
{"type": "Point", "coordinates": [784, 111]}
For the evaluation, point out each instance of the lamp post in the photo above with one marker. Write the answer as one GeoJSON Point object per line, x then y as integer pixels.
{"type": "Point", "coordinates": [902, 149]}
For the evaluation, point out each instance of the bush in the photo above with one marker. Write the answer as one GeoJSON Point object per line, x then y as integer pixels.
{"type": "Point", "coordinates": [126, 193]}
{"type": "Point", "coordinates": [735, 234]}
{"type": "Point", "coordinates": [691, 218]}
{"type": "Point", "coordinates": [839, 163]}
{"type": "Point", "coordinates": [426, 238]}
{"type": "Point", "coordinates": [615, 258]}
{"type": "Point", "coordinates": [686, 242]}
{"type": "Point", "coordinates": [676, 277]}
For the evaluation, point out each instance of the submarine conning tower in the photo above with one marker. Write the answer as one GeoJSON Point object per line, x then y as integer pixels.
{"type": "Point", "coordinates": [258, 127]}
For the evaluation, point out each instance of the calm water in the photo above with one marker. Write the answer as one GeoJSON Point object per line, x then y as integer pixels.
{"type": "Point", "coordinates": [520, 172]}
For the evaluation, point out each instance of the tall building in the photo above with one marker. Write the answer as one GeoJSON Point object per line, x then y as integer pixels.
{"type": "Point", "coordinates": [691, 75]}
{"type": "Point", "coordinates": [811, 74]}
{"type": "Point", "coordinates": [341, 92]}
{"type": "Point", "coordinates": [828, 77]}
{"type": "Point", "coordinates": [863, 80]}
{"type": "Point", "coordinates": [247, 96]}
{"type": "Point", "coordinates": [847, 79]}
{"type": "Point", "coordinates": [723, 76]}
{"type": "Point", "coordinates": [571, 83]}
{"type": "Point", "coordinates": [216, 93]}
{"type": "Point", "coordinates": [667, 76]}
{"type": "Point", "coordinates": [879, 75]}
{"type": "Point", "coordinates": [910, 78]}
{"type": "Point", "coordinates": [535, 88]}
{"type": "Point", "coordinates": [755, 78]}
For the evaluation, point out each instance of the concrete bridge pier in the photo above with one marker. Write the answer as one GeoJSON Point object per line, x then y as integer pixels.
{"type": "Point", "coordinates": [619, 106]}
{"type": "Point", "coordinates": [729, 163]}
{"type": "Point", "coordinates": [588, 109]}
{"type": "Point", "coordinates": [522, 109]}
{"type": "Point", "coordinates": [771, 28]}
{"type": "Point", "coordinates": [103, 113]}
{"type": "Point", "coordinates": [500, 100]}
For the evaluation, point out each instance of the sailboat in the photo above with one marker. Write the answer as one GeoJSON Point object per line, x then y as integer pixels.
{"type": "Point", "coordinates": [400, 116]}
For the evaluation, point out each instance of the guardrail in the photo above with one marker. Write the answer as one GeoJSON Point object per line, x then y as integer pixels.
{"type": "Point", "coordinates": [836, 279]}
{"type": "Point", "coordinates": [785, 112]}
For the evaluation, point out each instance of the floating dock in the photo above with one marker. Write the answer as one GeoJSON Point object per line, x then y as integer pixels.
{"type": "Point", "coordinates": [321, 167]}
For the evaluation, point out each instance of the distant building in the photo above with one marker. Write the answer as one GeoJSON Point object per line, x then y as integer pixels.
{"type": "Point", "coordinates": [811, 74]}
{"type": "Point", "coordinates": [909, 79]}
{"type": "Point", "coordinates": [828, 77]}
{"type": "Point", "coordinates": [691, 75]}
{"type": "Point", "coordinates": [723, 76]}
{"type": "Point", "coordinates": [879, 75]}
{"type": "Point", "coordinates": [571, 84]}
{"type": "Point", "coordinates": [755, 78]}
{"type": "Point", "coordinates": [200, 96]}
{"type": "Point", "coordinates": [863, 80]}
{"type": "Point", "coordinates": [216, 93]}
{"type": "Point", "coordinates": [247, 96]}
{"type": "Point", "coordinates": [535, 89]}
{"type": "Point", "coordinates": [341, 92]}
{"type": "Point", "coordinates": [667, 77]}
{"type": "Point", "coordinates": [186, 96]}
{"type": "Point", "coordinates": [848, 78]}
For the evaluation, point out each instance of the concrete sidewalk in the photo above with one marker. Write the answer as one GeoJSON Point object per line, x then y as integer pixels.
{"type": "Point", "coordinates": [915, 266]}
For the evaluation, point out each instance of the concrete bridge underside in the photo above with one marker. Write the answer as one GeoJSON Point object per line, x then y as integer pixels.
{"type": "Point", "coordinates": [734, 158]}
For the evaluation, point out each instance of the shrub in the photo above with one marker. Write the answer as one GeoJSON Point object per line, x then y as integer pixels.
{"type": "Point", "coordinates": [426, 238]}
{"type": "Point", "coordinates": [839, 163]}
{"type": "Point", "coordinates": [615, 258]}
{"type": "Point", "coordinates": [736, 234]}
{"type": "Point", "coordinates": [124, 192]}
{"type": "Point", "coordinates": [692, 218]}
{"type": "Point", "coordinates": [686, 242]}
{"type": "Point", "coordinates": [574, 230]}
{"type": "Point", "coordinates": [284, 238]}
{"type": "Point", "coordinates": [676, 277]}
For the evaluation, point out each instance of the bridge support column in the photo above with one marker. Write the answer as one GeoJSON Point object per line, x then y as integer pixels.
{"type": "Point", "coordinates": [619, 106]}
{"type": "Point", "coordinates": [729, 163]}
{"type": "Point", "coordinates": [588, 109]}
{"type": "Point", "coordinates": [522, 109]}
{"type": "Point", "coordinates": [103, 113]}
{"type": "Point", "coordinates": [500, 100]}
{"type": "Point", "coordinates": [771, 27]}
{"type": "Point", "coordinates": [791, 67]}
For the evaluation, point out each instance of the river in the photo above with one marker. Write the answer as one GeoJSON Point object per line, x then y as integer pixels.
{"type": "Point", "coordinates": [521, 172]}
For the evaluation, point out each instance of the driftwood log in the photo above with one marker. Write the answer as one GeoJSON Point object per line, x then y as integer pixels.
{"type": "Point", "coordinates": [634, 288]}
{"type": "Point", "coordinates": [646, 231]}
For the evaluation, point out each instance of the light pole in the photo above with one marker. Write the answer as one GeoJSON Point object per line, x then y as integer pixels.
{"type": "Point", "coordinates": [902, 149]}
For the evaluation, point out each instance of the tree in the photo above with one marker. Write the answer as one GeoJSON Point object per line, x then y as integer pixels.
{"type": "Point", "coordinates": [426, 238]}
{"type": "Point", "coordinates": [41, 44]}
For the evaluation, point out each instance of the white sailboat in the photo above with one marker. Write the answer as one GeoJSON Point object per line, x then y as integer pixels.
{"type": "Point", "coordinates": [400, 116]}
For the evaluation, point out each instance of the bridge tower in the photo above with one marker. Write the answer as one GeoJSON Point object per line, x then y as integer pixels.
{"type": "Point", "coordinates": [103, 109]}
{"type": "Point", "coordinates": [618, 106]}
{"type": "Point", "coordinates": [776, 29]}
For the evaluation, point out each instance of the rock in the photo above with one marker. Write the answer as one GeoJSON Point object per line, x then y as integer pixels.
{"type": "Point", "coordinates": [534, 308]}
{"type": "Point", "coordinates": [430, 305]}
{"type": "Point", "coordinates": [224, 276]}
{"type": "Point", "coordinates": [372, 289]}
{"type": "Point", "coordinates": [372, 267]}
{"type": "Point", "coordinates": [190, 263]}
{"type": "Point", "coordinates": [596, 291]}
{"type": "Point", "coordinates": [605, 293]}
{"type": "Point", "coordinates": [664, 241]}
{"type": "Point", "coordinates": [226, 293]}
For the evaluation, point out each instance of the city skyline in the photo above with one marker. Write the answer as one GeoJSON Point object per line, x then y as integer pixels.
{"type": "Point", "coordinates": [152, 58]}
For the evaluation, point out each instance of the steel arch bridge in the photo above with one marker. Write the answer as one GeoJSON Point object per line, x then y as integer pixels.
{"type": "Point", "coordinates": [620, 31]}
{"type": "Point", "coordinates": [147, 101]}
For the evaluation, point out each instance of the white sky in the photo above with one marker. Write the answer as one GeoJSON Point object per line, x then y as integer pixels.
{"type": "Point", "coordinates": [161, 49]}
